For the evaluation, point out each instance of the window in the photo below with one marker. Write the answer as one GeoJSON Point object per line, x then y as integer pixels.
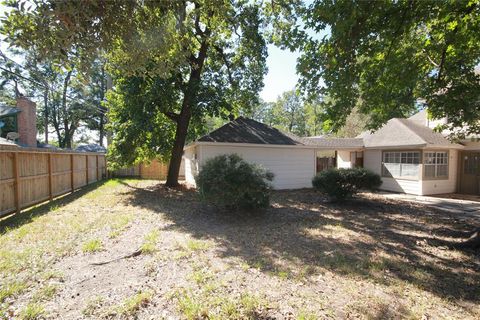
{"type": "Point", "coordinates": [8, 124]}
{"type": "Point", "coordinates": [401, 164]}
{"type": "Point", "coordinates": [436, 165]}
{"type": "Point", "coordinates": [356, 159]}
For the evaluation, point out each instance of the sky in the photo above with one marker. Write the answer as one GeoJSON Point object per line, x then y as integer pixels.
{"type": "Point", "coordinates": [281, 74]}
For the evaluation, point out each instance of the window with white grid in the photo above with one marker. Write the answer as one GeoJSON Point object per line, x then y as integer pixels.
{"type": "Point", "coordinates": [401, 164]}
{"type": "Point", "coordinates": [435, 165]}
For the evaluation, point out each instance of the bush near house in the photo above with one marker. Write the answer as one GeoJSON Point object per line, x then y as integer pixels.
{"type": "Point", "coordinates": [340, 184]}
{"type": "Point", "coordinates": [231, 182]}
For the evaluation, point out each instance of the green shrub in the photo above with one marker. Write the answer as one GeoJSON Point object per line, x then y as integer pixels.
{"type": "Point", "coordinates": [340, 184]}
{"type": "Point", "coordinates": [231, 182]}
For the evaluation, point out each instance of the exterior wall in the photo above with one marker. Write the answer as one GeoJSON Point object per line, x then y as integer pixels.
{"type": "Point", "coordinates": [343, 159]}
{"type": "Point", "coordinates": [372, 160]}
{"type": "Point", "coordinates": [444, 186]}
{"type": "Point", "coordinates": [293, 167]}
{"type": "Point", "coordinates": [27, 122]}
{"type": "Point", "coordinates": [471, 145]}
{"type": "Point", "coordinates": [190, 165]}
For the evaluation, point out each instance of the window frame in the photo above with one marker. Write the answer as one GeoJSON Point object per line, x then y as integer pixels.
{"type": "Point", "coordinates": [436, 177]}
{"type": "Point", "coordinates": [410, 178]}
{"type": "Point", "coordinates": [15, 122]}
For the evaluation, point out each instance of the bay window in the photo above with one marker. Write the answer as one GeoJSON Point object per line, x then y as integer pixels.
{"type": "Point", "coordinates": [401, 164]}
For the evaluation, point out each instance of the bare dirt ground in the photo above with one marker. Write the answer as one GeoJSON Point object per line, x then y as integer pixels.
{"type": "Point", "coordinates": [303, 258]}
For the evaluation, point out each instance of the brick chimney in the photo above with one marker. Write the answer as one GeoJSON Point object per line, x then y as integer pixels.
{"type": "Point", "coordinates": [27, 122]}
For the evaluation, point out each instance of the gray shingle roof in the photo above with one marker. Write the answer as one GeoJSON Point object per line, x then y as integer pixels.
{"type": "Point", "coordinates": [338, 143]}
{"type": "Point", "coordinates": [91, 148]}
{"type": "Point", "coordinates": [5, 142]}
{"type": "Point", "coordinates": [404, 132]}
{"type": "Point", "coordinates": [8, 111]}
{"type": "Point", "coordinates": [244, 130]}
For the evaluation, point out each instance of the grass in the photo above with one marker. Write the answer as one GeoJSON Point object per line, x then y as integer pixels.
{"type": "Point", "coordinates": [119, 224]}
{"type": "Point", "coordinates": [131, 305]}
{"type": "Point", "coordinates": [303, 315]}
{"type": "Point", "coordinates": [218, 305]}
{"type": "Point", "coordinates": [197, 245]}
{"type": "Point", "coordinates": [93, 305]}
{"type": "Point", "coordinates": [150, 242]}
{"type": "Point", "coordinates": [211, 300]}
{"type": "Point", "coordinates": [45, 293]}
{"type": "Point", "coordinates": [303, 257]}
{"type": "Point", "coordinates": [32, 311]}
{"type": "Point", "coordinates": [11, 289]}
{"type": "Point", "coordinates": [92, 245]}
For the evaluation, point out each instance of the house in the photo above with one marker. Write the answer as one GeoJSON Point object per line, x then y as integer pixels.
{"type": "Point", "coordinates": [21, 119]}
{"type": "Point", "coordinates": [408, 154]}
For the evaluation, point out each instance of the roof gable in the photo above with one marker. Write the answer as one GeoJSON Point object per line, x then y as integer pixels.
{"type": "Point", "coordinates": [404, 132]}
{"type": "Point", "coordinates": [244, 130]}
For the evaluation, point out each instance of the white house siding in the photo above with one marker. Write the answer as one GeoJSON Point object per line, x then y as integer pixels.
{"type": "Point", "coordinates": [191, 166]}
{"type": "Point", "coordinates": [343, 159]}
{"type": "Point", "coordinates": [443, 186]}
{"type": "Point", "coordinates": [372, 160]}
{"type": "Point", "coordinates": [293, 167]}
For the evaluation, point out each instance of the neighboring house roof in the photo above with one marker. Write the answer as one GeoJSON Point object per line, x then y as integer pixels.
{"type": "Point", "coordinates": [339, 143]}
{"type": "Point", "coordinates": [6, 111]}
{"type": "Point", "coordinates": [47, 146]}
{"type": "Point", "coordinates": [91, 148]}
{"type": "Point", "coordinates": [405, 132]}
{"type": "Point", "coordinates": [244, 130]}
{"type": "Point", "coordinates": [5, 142]}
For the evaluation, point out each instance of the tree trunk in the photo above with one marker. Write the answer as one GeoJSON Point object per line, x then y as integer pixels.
{"type": "Point", "coordinates": [101, 130]}
{"type": "Point", "coordinates": [45, 101]}
{"type": "Point", "coordinates": [67, 139]}
{"type": "Point", "coordinates": [183, 119]}
{"type": "Point", "coordinates": [177, 151]}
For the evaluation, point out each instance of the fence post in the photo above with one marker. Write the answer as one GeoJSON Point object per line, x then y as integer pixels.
{"type": "Point", "coordinates": [86, 167]}
{"type": "Point", "coordinates": [50, 178]}
{"type": "Point", "coordinates": [96, 168]}
{"type": "Point", "coordinates": [16, 182]}
{"type": "Point", "coordinates": [72, 173]}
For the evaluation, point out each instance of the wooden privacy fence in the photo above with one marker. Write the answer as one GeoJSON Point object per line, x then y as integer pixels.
{"type": "Point", "coordinates": [29, 176]}
{"type": "Point", "coordinates": [156, 170]}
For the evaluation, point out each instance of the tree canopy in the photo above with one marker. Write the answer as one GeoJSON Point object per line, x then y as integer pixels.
{"type": "Point", "coordinates": [173, 62]}
{"type": "Point", "coordinates": [390, 57]}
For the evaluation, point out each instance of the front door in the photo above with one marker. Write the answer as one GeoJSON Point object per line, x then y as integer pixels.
{"type": "Point", "coordinates": [470, 172]}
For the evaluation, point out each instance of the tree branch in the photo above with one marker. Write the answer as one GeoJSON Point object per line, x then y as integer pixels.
{"type": "Point", "coordinates": [172, 116]}
{"type": "Point", "coordinates": [198, 29]}
{"type": "Point", "coordinates": [227, 63]}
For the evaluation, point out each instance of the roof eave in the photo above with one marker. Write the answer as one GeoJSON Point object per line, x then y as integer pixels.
{"type": "Point", "coordinates": [214, 143]}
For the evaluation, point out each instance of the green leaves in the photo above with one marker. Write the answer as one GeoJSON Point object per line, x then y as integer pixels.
{"type": "Point", "coordinates": [386, 55]}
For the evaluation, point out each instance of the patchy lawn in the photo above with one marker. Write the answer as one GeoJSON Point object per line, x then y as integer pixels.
{"type": "Point", "coordinates": [132, 248]}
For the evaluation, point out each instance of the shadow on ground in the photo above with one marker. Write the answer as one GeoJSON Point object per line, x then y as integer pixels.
{"type": "Point", "coordinates": [17, 220]}
{"type": "Point", "coordinates": [384, 241]}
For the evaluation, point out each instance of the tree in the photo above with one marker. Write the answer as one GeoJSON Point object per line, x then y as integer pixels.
{"type": "Point", "coordinates": [391, 54]}
{"type": "Point", "coordinates": [213, 51]}
{"type": "Point", "coordinates": [96, 83]}
{"type": "Point", "coordinates": [355, 123]}
{"type": "Point", "coordinates": [11, 82]}
{"type": "Point", "coordinates": [290, 112]}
